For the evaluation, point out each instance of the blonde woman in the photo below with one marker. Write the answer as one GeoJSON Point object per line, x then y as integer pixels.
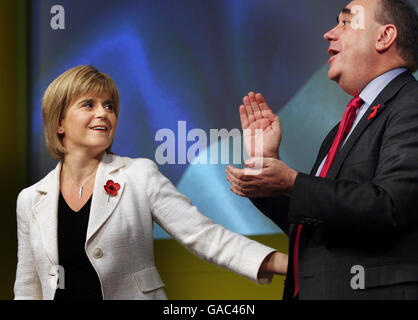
{"type": "Point", "coordinates": [86, 227]}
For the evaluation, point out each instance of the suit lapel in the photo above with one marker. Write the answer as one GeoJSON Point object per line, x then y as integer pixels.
{"type": "Point", "coordinates": [358, 130]}
{"type": "Point", "coordinates": [391, 90]}
{"type": "Point", "coordinates": [46, 212]}
{"type": "Point", "coordinates": [103, 205]}
{"type": "Point", "coordinates": [323, 151]}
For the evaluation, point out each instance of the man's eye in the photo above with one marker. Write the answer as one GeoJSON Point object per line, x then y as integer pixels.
{"type": "Point", "coordinates": [110, 107]}
{"type": "Point", "coordinates": [346, 22]}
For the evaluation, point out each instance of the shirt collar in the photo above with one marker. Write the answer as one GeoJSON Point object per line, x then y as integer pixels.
{"type": "Point", "coordinates": [373, 89]}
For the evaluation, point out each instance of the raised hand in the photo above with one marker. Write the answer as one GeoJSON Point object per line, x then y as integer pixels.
{"type": "Point", "coordinates": [256, 114]}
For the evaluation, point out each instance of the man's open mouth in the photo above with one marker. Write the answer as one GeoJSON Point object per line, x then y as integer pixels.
{"type": "Point", "coordinates": [333, 52]}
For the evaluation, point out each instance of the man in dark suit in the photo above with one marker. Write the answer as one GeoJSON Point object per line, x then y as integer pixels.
{"type": "Point", "coordinates": [353, 221]}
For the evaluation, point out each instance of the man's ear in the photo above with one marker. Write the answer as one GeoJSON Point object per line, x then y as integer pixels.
{"type": "Point", "coordinates": [387, 35]}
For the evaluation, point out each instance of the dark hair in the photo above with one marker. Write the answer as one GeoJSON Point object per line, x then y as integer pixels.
{"type": "Point", "coordinates": [404, 16]}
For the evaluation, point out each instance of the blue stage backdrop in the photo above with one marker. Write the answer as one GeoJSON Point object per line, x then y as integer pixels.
{"type": "Point", "coordinates": [192, 61]}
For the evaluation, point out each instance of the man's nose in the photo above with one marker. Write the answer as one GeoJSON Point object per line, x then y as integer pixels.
{"type": "Point", "coordinates": [331, 35]}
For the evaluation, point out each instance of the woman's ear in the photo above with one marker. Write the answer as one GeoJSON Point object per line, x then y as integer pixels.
{"type": "Point", "coordinates": [386, 37]}
{"type": "Point", "coordinates": [60, 129]}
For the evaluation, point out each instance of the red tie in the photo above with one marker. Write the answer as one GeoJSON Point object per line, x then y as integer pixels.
{"type": "Point", "coordinates": [343, 130]}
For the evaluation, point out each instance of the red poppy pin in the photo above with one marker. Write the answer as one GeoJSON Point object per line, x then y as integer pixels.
{"type": "Point", "coordinates": [111, 188]}
{"type": "Point", "coordinates": [373, 114]}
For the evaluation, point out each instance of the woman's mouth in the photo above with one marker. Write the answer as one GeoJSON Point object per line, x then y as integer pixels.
{"type": "Point", "coordinates": [99, 128]}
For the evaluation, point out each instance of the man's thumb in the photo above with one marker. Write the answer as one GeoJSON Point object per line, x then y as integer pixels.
{"type": "Point", "coordinates": [254, 163]}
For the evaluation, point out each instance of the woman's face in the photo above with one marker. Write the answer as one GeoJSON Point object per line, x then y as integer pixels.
{"type": "Point", "coordinates": [89, 123]}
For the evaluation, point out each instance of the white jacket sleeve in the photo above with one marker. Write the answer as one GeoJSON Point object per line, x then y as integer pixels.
{"type": "Point", "coordinates": [209, 241]}
{"type": "Point", "coordinates": [27, 285]}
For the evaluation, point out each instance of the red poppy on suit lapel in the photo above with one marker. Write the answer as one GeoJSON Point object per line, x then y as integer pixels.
{"type": "Point", "coordinates": [112, 188]}
{"type": "Point", "coordinates": [373, 114]}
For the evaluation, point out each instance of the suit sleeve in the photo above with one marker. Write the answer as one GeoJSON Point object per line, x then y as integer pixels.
{"type": "Point", "coordinates": [275, 209]}
{"type": "Point", "coordinates": [27, 285]}
{"type": "Point", "coordinates": [174, 213]}
{"type": "Point", "coordinates": [385, 204]}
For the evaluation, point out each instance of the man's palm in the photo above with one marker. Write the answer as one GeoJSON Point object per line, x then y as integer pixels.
{"type": "Point", "coordinates": [262, 130]}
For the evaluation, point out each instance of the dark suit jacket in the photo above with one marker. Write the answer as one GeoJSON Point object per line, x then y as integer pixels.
{"type": "Point", "coordinates": [365, 212]}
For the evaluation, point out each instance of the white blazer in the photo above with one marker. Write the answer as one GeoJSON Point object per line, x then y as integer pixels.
{"type": "Point", "coordinates": [119, 242]}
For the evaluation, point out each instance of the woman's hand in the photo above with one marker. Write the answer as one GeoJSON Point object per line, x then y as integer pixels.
{"type": "Point", "coordinates": [275, 262]}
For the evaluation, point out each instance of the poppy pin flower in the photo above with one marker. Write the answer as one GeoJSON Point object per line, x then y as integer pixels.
{"type": "Point", "coordinates": [373, 114]}
{"type": "Point", "coordinates": [111, 188]}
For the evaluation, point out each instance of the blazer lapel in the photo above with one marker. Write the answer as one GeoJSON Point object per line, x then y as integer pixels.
{"type": "Point", "coordinates": [46, 212]}
{"type": "Point", "coordinates": [46, 204]}
{"type": "Point", "coordinates": [382, 99]}
{"type": "Point", "coordinates": [323, 151]}
{"type": "Point", "coordinates": [103, 205]}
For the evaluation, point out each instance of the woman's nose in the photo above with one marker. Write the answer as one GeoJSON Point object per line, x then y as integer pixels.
{"type": "Point", "coordinates": [101, 111]}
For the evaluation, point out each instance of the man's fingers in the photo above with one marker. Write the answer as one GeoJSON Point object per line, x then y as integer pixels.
{"type": "Point", "coordinates": [276, 124]}
{"type": "Point", "coordinates": [237, 192]}
{"type": "Point", "coordinates": [246, 101]}
{"type": "Point", "coordinates": [241, 184]}
{"type": "Point", "coordinates": [237, 173]}
{"type": "Point", "coordinates": [254, 105]}
{"type": "Point", "coordinates": [249, 108]}
{"type": "Point", "coordinates": [234, 187]}
{"type": "Point", "coordinates": [261, 102]}
{"type": "Point", "coordinates": [232, 180]}
{"type": "Point", "coordinates": [265, 109]}
{"type": "Point", "coordinates": [260, 99]}
{"type": "Point", "coordinates": [255, 162]}
{"type": "Point", "coordinates": [244, 117]}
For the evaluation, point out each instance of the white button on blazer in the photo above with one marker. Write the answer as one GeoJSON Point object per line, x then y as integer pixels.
{"type": "Point", "coordinates": [119, 242]}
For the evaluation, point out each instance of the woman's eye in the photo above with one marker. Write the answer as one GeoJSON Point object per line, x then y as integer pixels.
{"type": "Point", "coordinates": [110, 107]}
{"type": "Point", "coordinates": [89, 105]}
{"type": "Point", "coordinates": [345, 22]}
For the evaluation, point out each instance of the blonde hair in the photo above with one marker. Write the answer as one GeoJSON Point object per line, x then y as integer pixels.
{"type": "Point", "coordinates": [63, 91]}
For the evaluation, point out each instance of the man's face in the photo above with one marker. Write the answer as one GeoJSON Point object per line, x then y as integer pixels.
{"type": "Point", "coordinates": [352, 45]}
